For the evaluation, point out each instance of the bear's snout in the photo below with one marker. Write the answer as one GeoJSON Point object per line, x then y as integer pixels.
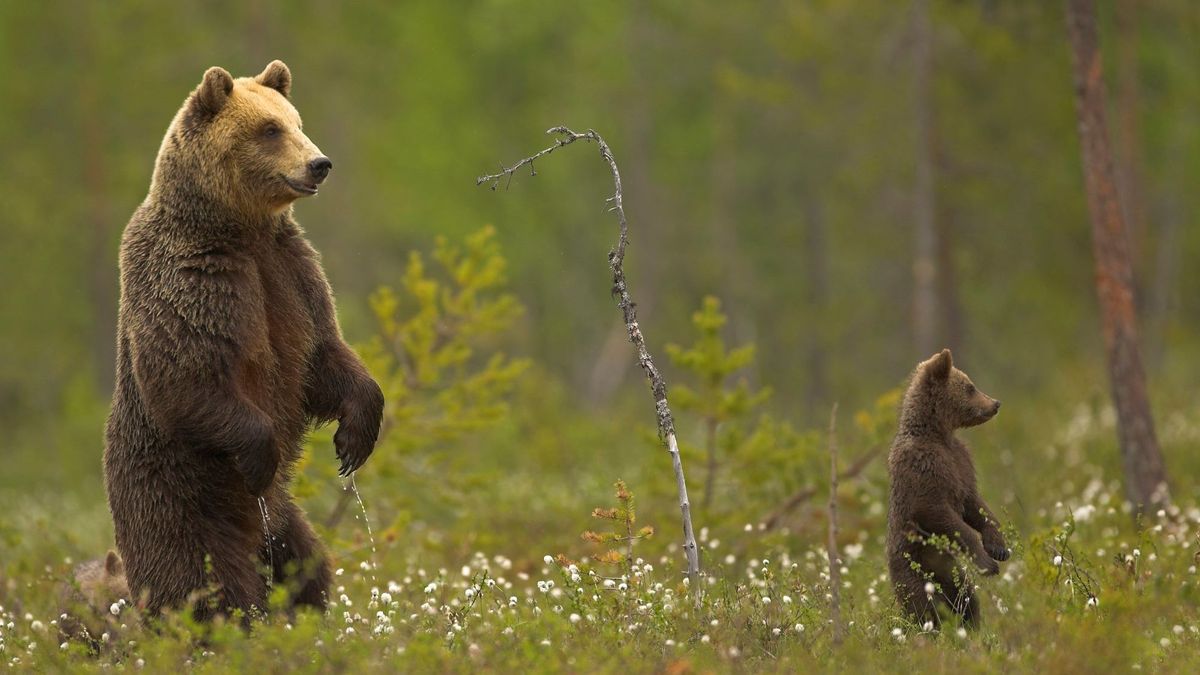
{"type": "Point", "coordinates": [319, 168]}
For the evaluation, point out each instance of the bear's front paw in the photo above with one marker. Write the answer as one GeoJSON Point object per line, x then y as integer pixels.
{"type": "Point", "coordinates": [357, 432]}
{"type": "Point", "coordinates": [354, 443]}
{"type": "Point", "coordinates": [989, 568]}
{"type": "Point", "coordinates": [999, 552]}
{"type": "Point", "coordinates": [993, 543]}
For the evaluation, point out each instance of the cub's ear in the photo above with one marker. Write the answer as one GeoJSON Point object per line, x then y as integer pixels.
{"type": "Point", "coordinates": [276, 76]}
{"type": "Point", "coordinates": [213, 92]}
{"type": "Point", "coordinates": [113, 565]}
{"type": "Point", "coordinates": [938, 367]}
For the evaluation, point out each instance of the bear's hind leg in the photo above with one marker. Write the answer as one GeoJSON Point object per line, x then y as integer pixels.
{"type": "Point", "coordinates": [234, 576]}
{"type": "Point", "coordinates": [920, 607]}
{"type": "Point", "coordinates": [299, 559]}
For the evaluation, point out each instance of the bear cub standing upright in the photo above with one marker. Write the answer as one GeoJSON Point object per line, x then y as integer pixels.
{"type": "Point", "coordinates": [228, 350]}
{"type": "Point", "coordinates": [933, 493]}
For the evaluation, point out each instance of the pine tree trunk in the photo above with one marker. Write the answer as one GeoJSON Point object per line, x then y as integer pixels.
{"type": "Point", "coordinates": [1145, 472]}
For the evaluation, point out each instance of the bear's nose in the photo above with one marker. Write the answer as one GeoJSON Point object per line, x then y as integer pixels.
{"type": "Point", "coordinates": [319, 168]}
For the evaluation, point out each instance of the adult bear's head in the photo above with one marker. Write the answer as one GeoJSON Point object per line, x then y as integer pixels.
{"type": "Point", "coordinates": [241, 142]}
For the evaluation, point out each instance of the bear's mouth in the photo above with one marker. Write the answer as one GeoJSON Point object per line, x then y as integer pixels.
{"type": "Point", "coordinates": [302, 188]}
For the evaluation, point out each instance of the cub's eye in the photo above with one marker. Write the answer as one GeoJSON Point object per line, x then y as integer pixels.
{"type": "Point", "coordinates": [271, 130]}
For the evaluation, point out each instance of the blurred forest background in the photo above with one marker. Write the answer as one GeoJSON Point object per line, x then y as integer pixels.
{"type": "Point", "coordinates": [804, 162]}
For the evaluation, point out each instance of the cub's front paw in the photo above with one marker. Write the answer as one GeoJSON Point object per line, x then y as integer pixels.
{"type": "Point", "coordinates": [999, 552]}
{"type": "Point", "coordinates": [989, 568]}
{"type": "Point", "coordinates": [994, 544]}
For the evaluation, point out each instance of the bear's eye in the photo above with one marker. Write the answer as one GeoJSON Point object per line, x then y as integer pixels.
{"type": "Point", "coordinates": [970, 390]}
{"type": "Point", "coordinates": [271, 130]}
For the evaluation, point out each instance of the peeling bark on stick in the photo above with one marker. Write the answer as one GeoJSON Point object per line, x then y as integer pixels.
{"type": "Point", "coordinates": [1145, 473]}
{"type": "Point", "coordinates": [616, 259]}
{"type": "Point", "coordinates": [835, 563]}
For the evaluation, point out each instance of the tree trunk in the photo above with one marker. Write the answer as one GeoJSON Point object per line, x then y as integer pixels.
{"type": "Point", "coordinates": [1146, 479]}
{"type": "Point", "coordinates": [1129, 156]}
{"type": "Point", "coordinates": [924, 306]}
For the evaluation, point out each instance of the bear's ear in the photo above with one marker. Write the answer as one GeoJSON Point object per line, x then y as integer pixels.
{"type": "Point", "coordinates": [113, 564]}
{"type": "Point", "coordinates": [938, 367]}
{"type": "Point", "coordinates": [276, 76]}
{"type": "Point", "coordinates": [213, 91]}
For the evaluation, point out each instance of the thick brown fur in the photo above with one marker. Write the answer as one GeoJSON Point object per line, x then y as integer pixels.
{"type": "Point", "coordinates": [86, 601]}
{"type": "Point", "coordinates": [933, 492]}
{"type": "Point", "coordinates": [228, 350]}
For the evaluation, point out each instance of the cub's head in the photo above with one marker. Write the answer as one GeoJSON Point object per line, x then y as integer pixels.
{"type": "Point", "coordinates": [245, 141]}
{"type": "Point", "coordinates": [950, 394]}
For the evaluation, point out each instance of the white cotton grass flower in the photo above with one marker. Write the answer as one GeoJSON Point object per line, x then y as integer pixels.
{"type": "Point", "coordinates": [549, 560]}
{"type": "Point", "coordinates": [1057, 560]}
{"type": "Point", "coordinates": [799, 628]}
{"type": "Point", "coordinates": [929, 588]}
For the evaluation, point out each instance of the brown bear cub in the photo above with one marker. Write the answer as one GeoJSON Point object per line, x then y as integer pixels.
{"type": "Point", "coordinates": [934, 496]}
{"type": "Point", "coordinates": [87, 602]}
{"type": "Point", "coordinates": [228, 350]}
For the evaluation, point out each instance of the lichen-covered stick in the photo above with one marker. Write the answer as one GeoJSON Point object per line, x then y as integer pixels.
{"type": "Point", "coordinates": [616, 258]}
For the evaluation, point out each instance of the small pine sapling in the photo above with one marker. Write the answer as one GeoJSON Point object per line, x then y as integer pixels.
{"type": "Point", "coordinates": [712, 398]}
{"type": "Point", "coordinates": [435, 359]}
{"type": "Point", "coordinates": [624, 520]}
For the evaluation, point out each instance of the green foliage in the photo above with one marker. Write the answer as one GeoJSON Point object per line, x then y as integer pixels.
{"type": "Point", "coordinates": [721, 408]}
{"type": "Point", "coordinates": [712, 365]}
{"type": "Point", "coordinates": [425, 355]}
{"type": "Point", "coordinates": [435, 357]}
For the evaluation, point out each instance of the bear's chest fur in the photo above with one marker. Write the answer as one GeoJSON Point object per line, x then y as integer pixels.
{"type": "Point", "coordinates": [279, 340]}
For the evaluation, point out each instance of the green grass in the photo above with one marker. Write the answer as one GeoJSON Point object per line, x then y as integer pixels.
{"type": "Point", "coordinates": [463, 583]}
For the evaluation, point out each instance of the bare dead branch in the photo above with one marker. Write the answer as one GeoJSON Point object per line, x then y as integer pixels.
{"type": "Point", "coordinates": [803, 495]}
{"type": "Point", "coordinates": [620, 289]}
{"type": "Point", "coordinates": [835, 563]}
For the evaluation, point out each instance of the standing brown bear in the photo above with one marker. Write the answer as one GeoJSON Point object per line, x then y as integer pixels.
{"type": "Point", "coordinates": [934, 496]}
{"type": "Point", "coordinates": [228, 349]}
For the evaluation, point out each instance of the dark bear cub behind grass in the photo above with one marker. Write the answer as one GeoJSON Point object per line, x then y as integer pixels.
{"type": "Point", "coordinates": [936, 515]}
